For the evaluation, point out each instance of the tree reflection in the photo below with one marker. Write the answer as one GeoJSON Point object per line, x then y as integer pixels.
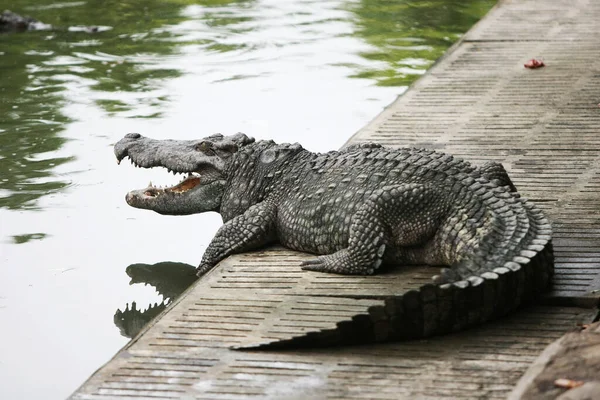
{"type": "Point", "coordinates": [122, 71]}
{"type": "Point", "coordinates": [37, 68]}
{"type": "Point", "coordinates": [409, 35]}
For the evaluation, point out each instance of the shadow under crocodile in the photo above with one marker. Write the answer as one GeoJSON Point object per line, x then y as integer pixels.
{"type": "Point", "coordinates": [170, 279]}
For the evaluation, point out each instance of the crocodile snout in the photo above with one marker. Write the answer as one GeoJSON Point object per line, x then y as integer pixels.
{"type": "Point", "coordinates": [123, 145]}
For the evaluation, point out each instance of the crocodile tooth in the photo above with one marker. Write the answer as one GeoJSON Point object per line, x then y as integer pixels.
{"type": "Point", "coordinates": [150, 184]}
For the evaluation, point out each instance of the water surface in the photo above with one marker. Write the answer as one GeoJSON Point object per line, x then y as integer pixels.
{"type": "Point", "coordinates": [73, 256]}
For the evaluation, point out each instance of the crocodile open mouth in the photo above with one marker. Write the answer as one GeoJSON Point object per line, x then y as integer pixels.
{"type": "Point", "coordinates": [201, 164]}
{"type": "Point", "coordinates": [190, 182]}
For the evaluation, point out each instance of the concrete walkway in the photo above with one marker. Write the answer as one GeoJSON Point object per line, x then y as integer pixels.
{"type": "Point", "coordinates": [480, 103]}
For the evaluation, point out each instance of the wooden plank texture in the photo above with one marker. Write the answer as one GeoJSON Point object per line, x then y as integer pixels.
{"type": "Point", "coordinates": [478, 102]}
{"type": "Point", "coordinates": [182, 357]}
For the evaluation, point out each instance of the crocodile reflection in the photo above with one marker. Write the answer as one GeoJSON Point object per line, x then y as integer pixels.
{"type": "Point", "coordinates": [170, 279]}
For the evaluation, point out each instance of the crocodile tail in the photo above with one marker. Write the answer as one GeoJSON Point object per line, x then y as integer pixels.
{"type": "Point", "coordinates": [514, 269]}
{"type": "Point", "coordinates": [495, 172]}
{"type": "Point", "coordinates": [490, 226]}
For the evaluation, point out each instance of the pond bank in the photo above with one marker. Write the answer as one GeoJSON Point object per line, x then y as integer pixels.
{"type": "Point", "coordinates": [480, 103]}
{"type": "Point", "coordinates": [311, 71]}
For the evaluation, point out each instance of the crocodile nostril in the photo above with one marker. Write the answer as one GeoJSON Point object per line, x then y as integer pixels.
{"type": "Point", "coordinates": [133, 136]}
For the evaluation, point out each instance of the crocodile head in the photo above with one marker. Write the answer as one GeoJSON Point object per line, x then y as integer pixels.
{"type": "Point", "coordinates": [203, 163]}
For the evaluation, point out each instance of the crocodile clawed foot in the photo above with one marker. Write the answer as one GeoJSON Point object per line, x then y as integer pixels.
{"type": "Point", "coordinates": [318, 264]}
{"type": "Point", "coordinates": [336, 263]}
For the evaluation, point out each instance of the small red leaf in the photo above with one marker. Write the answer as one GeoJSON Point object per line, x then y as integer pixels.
{"type": "Point", "coordinates": [534, 63]}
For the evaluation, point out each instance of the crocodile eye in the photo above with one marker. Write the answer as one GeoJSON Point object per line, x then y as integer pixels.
{"type": "Point", "coordinates": [206, 148]}
{"type": "Point", "coordinates": [202, 146]}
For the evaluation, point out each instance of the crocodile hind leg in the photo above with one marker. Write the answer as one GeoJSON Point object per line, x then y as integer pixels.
{"type": "Point", "coordinates": [404, 217]}
{"type": "Point", "coordinates": [248, 231]}
{"type": "Point", "coordinates": [364, 253]}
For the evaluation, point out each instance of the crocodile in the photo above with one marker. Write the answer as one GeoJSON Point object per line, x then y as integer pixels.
{"type": "Point", "coordinates": [13, 22]}
{"type": "Point", "coordinates": [359, 209]}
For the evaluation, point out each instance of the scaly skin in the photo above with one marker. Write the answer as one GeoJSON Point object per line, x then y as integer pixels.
{"type": "Point", "coordinates": [358, 208]}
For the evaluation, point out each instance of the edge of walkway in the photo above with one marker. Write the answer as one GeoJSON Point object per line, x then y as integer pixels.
{"type": "Point", "coordinates": [580, 225]}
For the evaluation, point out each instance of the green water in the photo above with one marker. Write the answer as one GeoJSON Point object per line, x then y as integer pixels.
{"type": "Point", "coordinates": [308, 71]}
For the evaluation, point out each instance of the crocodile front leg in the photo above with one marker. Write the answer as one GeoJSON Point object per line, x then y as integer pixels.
{"type": "Point", "coordinates": [252, 229]}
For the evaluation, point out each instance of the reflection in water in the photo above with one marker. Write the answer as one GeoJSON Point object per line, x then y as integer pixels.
{"type": "Point", "coordinates": [18, 239]}
{"type": "Point", "coordinates": [29, 127]}
{"type": "Point", "coordinates": [120, 71]}
{"type": "Point", "coordinates": [170, 279]}
{"type": "Point", "coordinates": [409, 35]}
